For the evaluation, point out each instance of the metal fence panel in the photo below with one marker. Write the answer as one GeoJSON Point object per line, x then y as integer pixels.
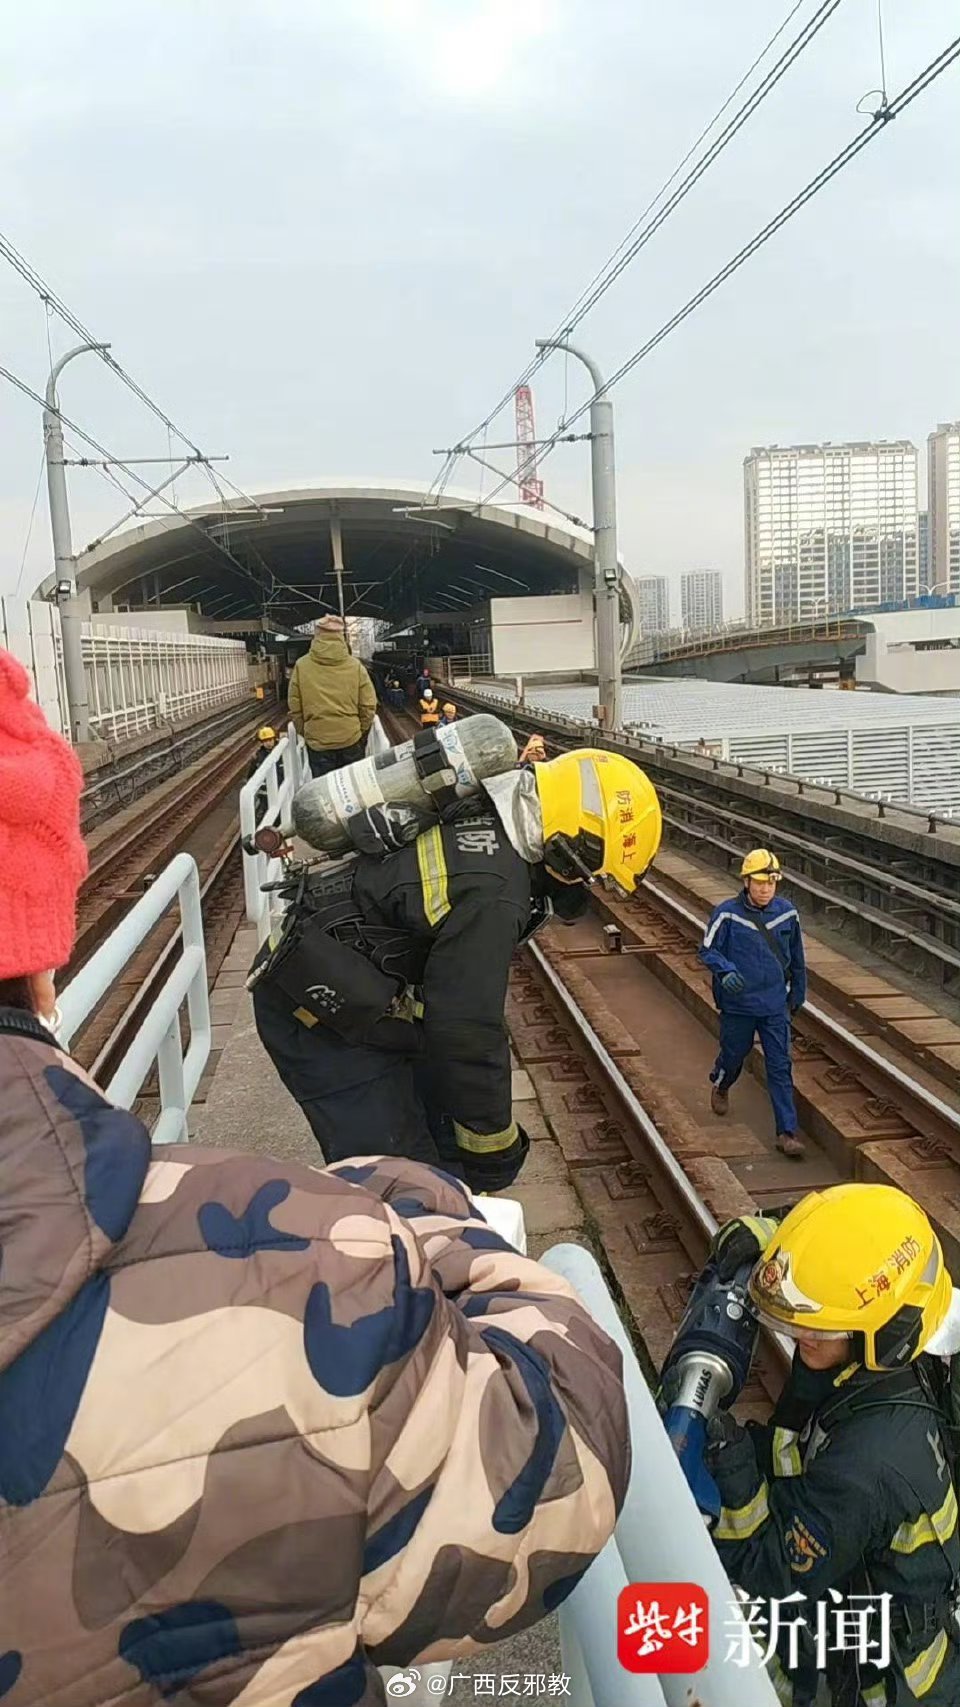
{"type": "Point", "coordinates": [158, 1039]}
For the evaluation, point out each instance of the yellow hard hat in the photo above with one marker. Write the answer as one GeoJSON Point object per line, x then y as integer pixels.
{"type": "Point", "coordinates": [449, 710]}
{"type": "Point", "coordinates": [265, 734]}
{"type": "Point", "coordinates": [860, 1260]}
{"type": "Point", "coordinates": [601, 817]}
{"type": "Point", "coordinates": [760, 862]}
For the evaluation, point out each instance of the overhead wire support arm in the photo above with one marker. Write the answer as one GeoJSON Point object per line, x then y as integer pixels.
{"type": "Point", "coordinates": [138, 461]}
{"type": "Point", "coordinates": [577, 521]}
{"type": "Point", "coordinates": [514, 444]}
{"type": "Point", "coordinates": [137, 508]}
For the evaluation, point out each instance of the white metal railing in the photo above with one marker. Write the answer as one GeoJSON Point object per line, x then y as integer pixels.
{"type": "Point", "coordinates": [138, 678]}
{"type": "Point", "coordinates": [277, 779]}
{"type": "Point", "coordinates": [158, 1038]}
{"type": "Point", "coordinates": [660, 1538]}
{"type": "Point", "coordinates": [463, 667]}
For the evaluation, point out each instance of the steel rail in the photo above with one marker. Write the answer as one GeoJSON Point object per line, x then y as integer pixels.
{"type": "Point", "coordinates": [889, 1071]}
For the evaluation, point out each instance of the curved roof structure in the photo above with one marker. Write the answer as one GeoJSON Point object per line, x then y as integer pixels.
{"type": "Point", "coordinates": [404, 554]}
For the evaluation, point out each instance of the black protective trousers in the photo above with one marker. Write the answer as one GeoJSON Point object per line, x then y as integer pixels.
{"type": "Point", "coordinates": [359, 1101]}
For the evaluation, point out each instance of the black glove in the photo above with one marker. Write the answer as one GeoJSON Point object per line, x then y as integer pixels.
{"type": "Point", "coordinates": [723, 1431]}
{"type": "Point", "coordinates": [795, 1006]}
{"type": "Point", "coordinates": [738, 1242]}
{"type": "Point", "coordinates": [498, 1169]}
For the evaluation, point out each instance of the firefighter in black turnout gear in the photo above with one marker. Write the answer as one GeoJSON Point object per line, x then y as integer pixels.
{"type": "Point", "coordinates": [850, 1490]}
{"type": "Point", "coordinates": [415, 1058]}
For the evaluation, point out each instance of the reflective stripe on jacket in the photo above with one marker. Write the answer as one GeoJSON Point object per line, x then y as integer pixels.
{"type": "Point", "coordinates": [773, 971]}
{"type": "Point", "coordinates": [857, 1485]}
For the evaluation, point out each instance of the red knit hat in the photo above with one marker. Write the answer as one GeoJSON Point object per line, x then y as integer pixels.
{"type": "Point", "coordinates": [42, 857]}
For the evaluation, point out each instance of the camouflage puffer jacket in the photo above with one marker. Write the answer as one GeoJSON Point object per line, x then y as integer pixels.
{"type": "Point", "coordinates": [263, 1427]}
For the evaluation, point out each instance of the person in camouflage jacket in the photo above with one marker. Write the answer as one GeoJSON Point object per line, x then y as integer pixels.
{"type": "Point", "coordinates": [265, 1427]}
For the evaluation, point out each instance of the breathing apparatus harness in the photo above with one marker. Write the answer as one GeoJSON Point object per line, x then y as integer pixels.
{"type": "Point", "coordinates": [357, 979]}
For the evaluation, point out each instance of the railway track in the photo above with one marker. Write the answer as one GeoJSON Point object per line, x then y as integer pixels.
{"type": "Point", "coordinates": [196, 812]}
{"type": "Point", "coordinates": [876, 1091]}
{"type": "Point", "coordinates": [653, 1193]}
{"type": "Point", "coordinates": [899, 898]}
{"type": "Point", "coordinates": [114, 786]}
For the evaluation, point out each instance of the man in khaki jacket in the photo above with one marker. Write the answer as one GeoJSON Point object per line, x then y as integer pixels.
{"type": "Point", "coordinates": [332, 700]}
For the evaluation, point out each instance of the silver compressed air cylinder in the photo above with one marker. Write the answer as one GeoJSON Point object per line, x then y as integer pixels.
{"type": "Point", "coordinates": [474, 747]}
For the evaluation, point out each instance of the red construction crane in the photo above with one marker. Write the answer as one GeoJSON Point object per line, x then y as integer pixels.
{"type": "Point", "coordinates": [531, 489]}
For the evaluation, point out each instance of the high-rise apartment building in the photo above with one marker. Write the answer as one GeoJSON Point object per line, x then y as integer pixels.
{"type": "Point", "coordinates": [923, 551]}
{"type": "Point", "coordinates": [943, 483]}
{"type": "Point", "coordinates": [653, 598]}
{"type": "Point", "coordinates": [828, 528]}
{"type": "Point", "coordinates": [701, 598]}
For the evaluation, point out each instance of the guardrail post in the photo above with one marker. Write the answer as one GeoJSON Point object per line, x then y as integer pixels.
{"type": "Point", "coordinates": [173, 1095]}
{"type": "Point", "coordinates": [660, 1536]}
{"type": "Point", "coordinates": [290, 752]}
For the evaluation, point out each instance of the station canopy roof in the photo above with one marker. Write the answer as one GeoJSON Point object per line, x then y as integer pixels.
{"type": "Point", "coordinates": [270, 561]}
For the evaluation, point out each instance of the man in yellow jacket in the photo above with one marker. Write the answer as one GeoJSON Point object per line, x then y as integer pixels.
{"type": "Point", "coordinates": [332, 700]}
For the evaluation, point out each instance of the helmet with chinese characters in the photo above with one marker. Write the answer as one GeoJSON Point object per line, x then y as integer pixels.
{"type": "Point", "coordinates": [601, 817]}
{"type": "Point", "coordinates": [857, 1260]}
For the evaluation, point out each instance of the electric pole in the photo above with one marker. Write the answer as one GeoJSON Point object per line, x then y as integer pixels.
{"type": "Point", "coordinates": [64, 562]}
{"type": "Point", "coordinates": [606, 564]}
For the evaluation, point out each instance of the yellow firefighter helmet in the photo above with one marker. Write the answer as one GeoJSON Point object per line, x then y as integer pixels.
{"type": "Point", "coordinates": [601, 817]}
{"type": "Point", "coordinates": [856, 1259]}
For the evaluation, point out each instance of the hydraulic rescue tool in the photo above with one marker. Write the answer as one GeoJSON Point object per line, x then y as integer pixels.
{"type": "Point", "coordinates": [705, 1371]}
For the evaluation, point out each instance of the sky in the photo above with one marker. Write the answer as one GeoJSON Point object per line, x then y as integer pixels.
{"type": "Point", "coordinates": [324, 234]}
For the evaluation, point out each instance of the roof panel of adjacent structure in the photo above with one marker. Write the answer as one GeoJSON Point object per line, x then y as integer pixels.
{"type": "Point", "coordinates": [903, 747]}
{"type": "Point", "coordinates": [404, 552]}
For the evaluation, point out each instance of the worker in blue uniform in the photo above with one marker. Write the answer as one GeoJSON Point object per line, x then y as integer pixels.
{"type": "Point", "coordinates": [754, 948]}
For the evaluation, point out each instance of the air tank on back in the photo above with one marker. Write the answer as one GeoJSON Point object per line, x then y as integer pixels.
{"type": "Point", "coordinates": [474, 747]}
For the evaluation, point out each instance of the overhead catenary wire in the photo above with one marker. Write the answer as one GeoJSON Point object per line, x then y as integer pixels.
{"type": "Point", "coordinates": [878, 123]}
{"type": "Point", "coordinates": [635, 238]}
{"type": "Point", "coordinates": [54, 304]}
{"type": "Point", "coordinates": [191, 521]}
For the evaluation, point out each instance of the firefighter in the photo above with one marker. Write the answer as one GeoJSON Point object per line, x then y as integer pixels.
{"type": "Point", "coordinates": [754, 949]}
{"type": "Point", "coordinates": [448, 713]}
{"type": "Point", "coordinates": [423, 1069]}
{"type": "Point", "coordinates": [850, 1489]}
{"type": "Point", "coordinates": [429, 709]}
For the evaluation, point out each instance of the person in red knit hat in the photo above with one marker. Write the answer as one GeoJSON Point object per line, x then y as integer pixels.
{"type": "Point", "coordinates": [43, 860]}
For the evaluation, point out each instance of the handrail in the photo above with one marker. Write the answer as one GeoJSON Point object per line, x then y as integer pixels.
{"type": "Point", "coordinates": [158, 1038]}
